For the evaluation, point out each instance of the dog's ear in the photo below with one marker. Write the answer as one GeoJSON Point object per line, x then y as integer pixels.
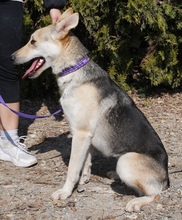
{"type": "Point", "coordinates": [66, 14]}
{"type": "Point", "coordinates": [62, 28]}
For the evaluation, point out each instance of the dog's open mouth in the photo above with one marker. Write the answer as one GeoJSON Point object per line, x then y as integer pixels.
{"type": "Point", "coordinates": [36, 64]}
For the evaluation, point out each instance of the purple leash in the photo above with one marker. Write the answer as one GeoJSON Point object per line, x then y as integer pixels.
{"type": "Point", "coordinates": [26, 115]}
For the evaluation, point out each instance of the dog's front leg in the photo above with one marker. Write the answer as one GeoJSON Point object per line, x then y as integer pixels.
{"type": "Point", "coordinates": [80, 146]}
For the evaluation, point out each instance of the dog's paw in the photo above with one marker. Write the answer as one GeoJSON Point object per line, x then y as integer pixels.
{"type": "Point", "coordinates": [84, 179]}
{"type": "Point", "coordinates": [133, 205]}
{"type": "Point", "coordinates": [60, 194]}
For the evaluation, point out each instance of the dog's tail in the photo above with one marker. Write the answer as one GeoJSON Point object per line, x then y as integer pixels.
{"type": "Point", "coordinates": [166, 184]}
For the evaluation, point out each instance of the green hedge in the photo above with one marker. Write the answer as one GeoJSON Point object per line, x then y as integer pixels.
{"type": "Point", "coordinates": [135, 40]}
{"type": "Point", "coordinates": [138, 42]}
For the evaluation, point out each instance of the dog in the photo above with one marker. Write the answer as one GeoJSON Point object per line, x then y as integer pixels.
{"type": "Point", "coordinates": [100, 114]}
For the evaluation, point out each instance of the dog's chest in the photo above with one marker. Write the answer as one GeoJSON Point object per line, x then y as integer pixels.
{"type": "Point", "coordinates": [81, 106]}
{"type": "Point", "coordinates": [69, 105]}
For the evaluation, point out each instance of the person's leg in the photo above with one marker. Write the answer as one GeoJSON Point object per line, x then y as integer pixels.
{"type": "Point", "coordinates": [11, 18]}
{"type": "Point", "coordinates": [9, 120]}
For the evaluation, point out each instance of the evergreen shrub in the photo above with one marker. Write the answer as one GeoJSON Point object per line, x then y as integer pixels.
{"type": "Point", "coordinates": [138, 42]}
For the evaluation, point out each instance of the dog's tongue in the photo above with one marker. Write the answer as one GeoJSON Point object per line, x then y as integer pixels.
{"type": "Point", "coordinates": [31, 69]}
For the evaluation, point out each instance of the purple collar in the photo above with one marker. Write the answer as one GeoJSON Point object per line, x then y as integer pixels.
{"type": "Point", "coordinates": [77, 66]}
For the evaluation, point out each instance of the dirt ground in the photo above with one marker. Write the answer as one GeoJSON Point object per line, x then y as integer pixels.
{"type": "Point", "coordinates": [25, 192]}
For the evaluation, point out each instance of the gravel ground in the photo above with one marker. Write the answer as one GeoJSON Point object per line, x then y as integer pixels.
{"type": "Point", "coordinates": [25, 192]}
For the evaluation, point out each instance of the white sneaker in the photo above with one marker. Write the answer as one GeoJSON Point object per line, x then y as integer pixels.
{"type": "Point", "coordinates": [16, 153]}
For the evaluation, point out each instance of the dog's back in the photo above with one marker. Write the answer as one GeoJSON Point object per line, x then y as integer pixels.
{"type": "Point", "coordinates": [128, 130]}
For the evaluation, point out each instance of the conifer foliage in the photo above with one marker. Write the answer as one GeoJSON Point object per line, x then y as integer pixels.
{"type": "Point", "coordinates": [135, 40]}
{"type": "Point", "coordinates": [138, 42]}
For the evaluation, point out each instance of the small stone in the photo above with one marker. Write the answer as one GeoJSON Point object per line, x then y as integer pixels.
{"type": "Point", "coordinates": [80, 189]}
{"type": "Point", "coordinates": [159, 206]}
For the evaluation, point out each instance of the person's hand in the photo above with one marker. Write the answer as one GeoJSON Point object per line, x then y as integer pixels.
{"type": "Point", "coordinates": [55, 15]}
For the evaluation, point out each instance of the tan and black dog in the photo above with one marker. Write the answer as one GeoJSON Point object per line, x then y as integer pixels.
{"type": "Point", "coordinates": [100, 114]}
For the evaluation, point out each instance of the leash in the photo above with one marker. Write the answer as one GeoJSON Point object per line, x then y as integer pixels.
{"type": "Point", "coordinates": [26, 115]}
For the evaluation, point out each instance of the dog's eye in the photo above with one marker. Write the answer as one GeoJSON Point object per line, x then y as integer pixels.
{"type": "Point", "coordinates": [32, 42]}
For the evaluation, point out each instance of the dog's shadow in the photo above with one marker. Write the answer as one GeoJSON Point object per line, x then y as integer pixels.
{"type": "Point", "coordinates": [100, 164]}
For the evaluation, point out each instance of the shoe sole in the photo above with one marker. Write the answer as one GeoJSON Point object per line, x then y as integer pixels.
{"type": "Point", "coordinates": [23, 165]}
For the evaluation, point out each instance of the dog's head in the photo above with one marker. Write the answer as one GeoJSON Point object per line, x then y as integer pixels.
{"type": "Point", "coordinates": [45, 45]}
